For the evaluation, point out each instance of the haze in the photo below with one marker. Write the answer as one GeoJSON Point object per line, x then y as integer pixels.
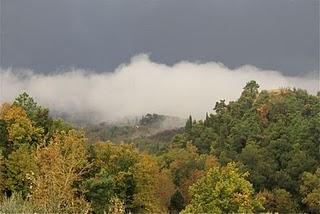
{"type": "Point", "coordinates": [144, 86]}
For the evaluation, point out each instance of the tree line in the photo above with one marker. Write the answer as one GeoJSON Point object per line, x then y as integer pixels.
{"type": "Point", "coordinates": [259, 153]}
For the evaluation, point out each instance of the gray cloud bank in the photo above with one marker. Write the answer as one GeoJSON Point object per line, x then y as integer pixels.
{"type": "Point", "coordinates": [45, 35]}
{"type": "Point", "coordinates": [144, 86]}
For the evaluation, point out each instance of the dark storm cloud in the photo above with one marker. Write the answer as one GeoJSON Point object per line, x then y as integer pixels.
{"type": "Point", "coordinates": [47, 35]}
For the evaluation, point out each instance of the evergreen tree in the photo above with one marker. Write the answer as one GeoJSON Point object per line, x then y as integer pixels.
{"type": "Point", "coordinates": [188, 126]}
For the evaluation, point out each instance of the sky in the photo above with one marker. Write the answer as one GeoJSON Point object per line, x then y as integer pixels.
{"type": "Point", "coordinates": [99, 35]}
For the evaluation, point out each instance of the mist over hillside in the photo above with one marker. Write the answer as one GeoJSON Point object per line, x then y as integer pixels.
{"type": "Point", "coordinates": [143, 86]}
{"type": "Point", "coordinates": [150, 126]}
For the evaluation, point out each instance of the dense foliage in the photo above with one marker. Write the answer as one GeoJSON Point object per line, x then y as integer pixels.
{"type": "Point", "coordinates": [223, 190]}
{"type": "Point", "coordinates": [259, 153]}
{"type": "Point", "coordinates": [274, 135]}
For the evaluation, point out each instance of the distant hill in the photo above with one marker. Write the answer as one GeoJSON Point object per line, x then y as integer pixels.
{"type": "Point", "coordinates": [151, 126]}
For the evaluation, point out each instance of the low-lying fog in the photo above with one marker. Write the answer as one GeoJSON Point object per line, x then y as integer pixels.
{"type": "Point", "coordinates": [143, 86]}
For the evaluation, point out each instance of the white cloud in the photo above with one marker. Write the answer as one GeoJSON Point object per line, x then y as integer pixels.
{"type": "Point", "coordinates": [143, 86]}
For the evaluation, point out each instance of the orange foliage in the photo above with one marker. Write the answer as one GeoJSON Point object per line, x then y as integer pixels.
{"type": "Point", "coordinates": [263, 112]}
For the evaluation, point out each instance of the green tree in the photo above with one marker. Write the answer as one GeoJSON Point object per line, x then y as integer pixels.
{"type": "Point", "coordinates": [188, 126]}
{"type": "Point", "coordinates": [20, 165]}
{"type": "Point", "coordinates": [223, 190]}
{"type": "Point", "coordinates": [251, 89]}
{"type": "Point", "coordinates": [38, 114]}
{"type": "Point", "coordinates": [2, 174]}
{"type": "Point", "coordinates": [177, 202]}
{"type": "Point", "coordinates": [259, 164]}
{"type": "Point", "coordinates": [248, 95]}
{"type": "Point", "coordinates": [3, 138]}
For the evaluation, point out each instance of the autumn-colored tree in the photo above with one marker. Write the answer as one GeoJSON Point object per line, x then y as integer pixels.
{"type": "Point", "coordinates": [120, 171]}
{"type": "Point", "coordinates": [223, 190]}
{"type": "Point", "coordinates": [151, 193]}
{"type": "Point", "coordinates": [181, 162]}
{"type": "Point", "coordinates": [186, 166]}
{"type": "Point", "coordinates": [61, 164]}
{"type": "Point", "coordinates": [163, 188]}
{"type": "Point", "coordinates": [310, 190]}
{"type": "Point", "coordinates": [47, 167]}
{"type": "Point", "coordinates": [20, 127]}
{"type": "Point", "coordinates": [189, 181]}
{"type": "Point", "coordinates": [116, 206]}
{"type": "Point", "coordinates": [205, 162]}
{"type": "Point", "coordinates": [278, 201]}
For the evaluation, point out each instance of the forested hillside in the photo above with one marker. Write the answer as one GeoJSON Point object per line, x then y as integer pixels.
{"type": "Point", "coordinates": [259, 153]}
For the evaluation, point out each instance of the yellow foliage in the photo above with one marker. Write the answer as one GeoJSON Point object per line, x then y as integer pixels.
{"type": "Point", "coordinates": [154, 187]}
{"type": "Point", "coordinates": [164, 189]}
{"type": "Point", "coordinates": [20, 128]}
{"type": "Point", "coordinates": [61, 164]}
{"type": "Point", "coordinates": [117, 206]}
